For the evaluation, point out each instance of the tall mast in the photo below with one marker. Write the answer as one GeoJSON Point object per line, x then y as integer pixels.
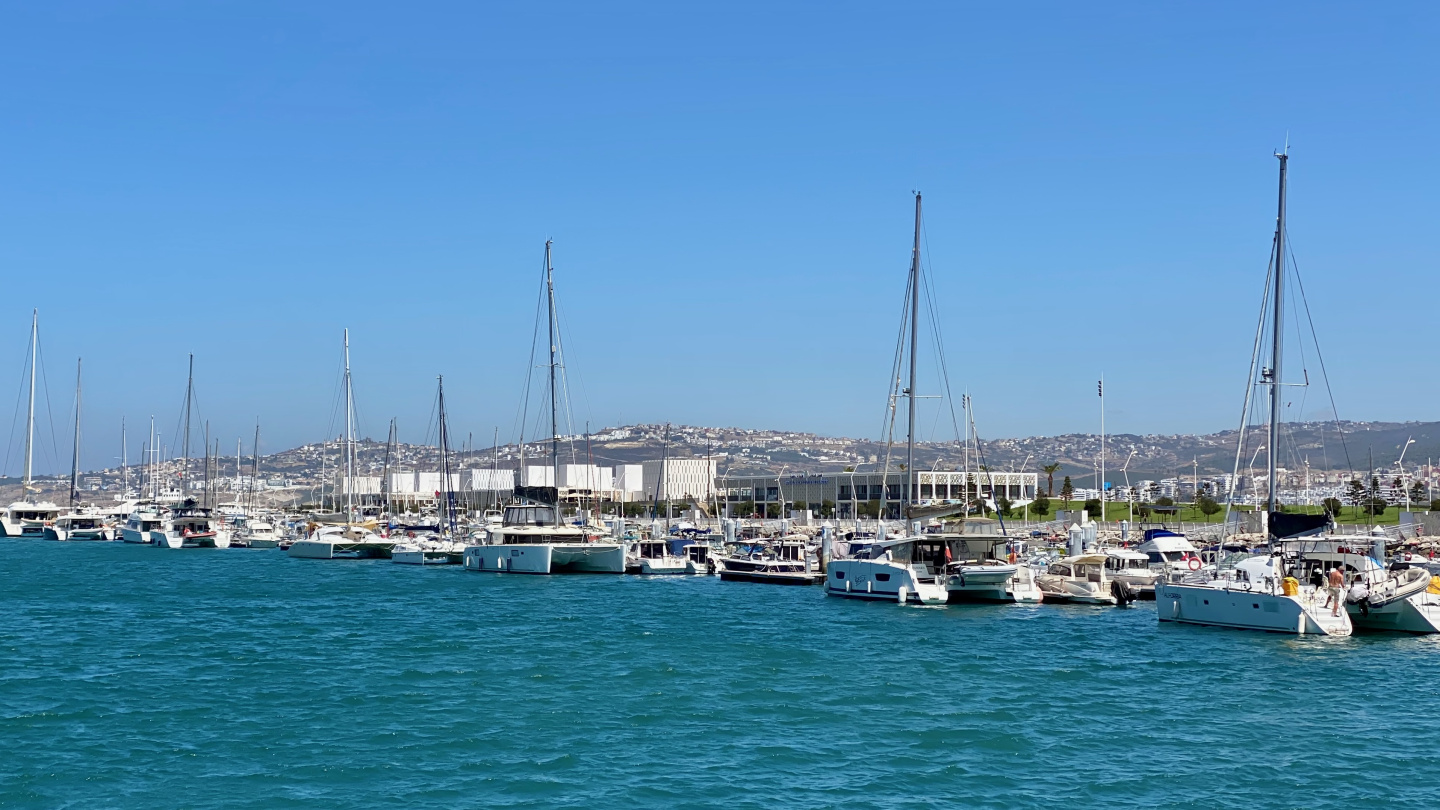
{"type": "Point", "coordinates": [447, 508]}
{"type": "Point", "coordinates": [75, 456]}
{"type": "Point", "coordinates": [554, 417]}
{"type": "Point", "coordinates": [349, 437]}
{"type": "Point", "coordinates": [255, 465]}
{"type": "Point", "coordinates": [124, 461]}
{"type": "Point", "coordinates": [385, 481]}
{"type": "Point", "coordinates": [154, 464]}
{"type": "Point", "coordinates": [1272, 453]}
{"type": "Point", "coordinates": [30, 419]}
{"type": "Point", "coordinates": [206, 481]}
{"type": "Point", "coordinates": [908, 492]}
{"type": "Point", "coordinates": [185, 443]}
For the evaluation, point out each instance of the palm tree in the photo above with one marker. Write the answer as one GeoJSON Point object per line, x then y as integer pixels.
{"type": "Point", "coordinates": [1050, 470]}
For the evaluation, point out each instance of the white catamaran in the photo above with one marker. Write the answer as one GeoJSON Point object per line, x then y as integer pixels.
{"type": "Point", "coordinates": [532, 539]}
{"type": "Point", "coordinates": [1268, 591]}
{"type": "Point", "coordinates": [25, 517]}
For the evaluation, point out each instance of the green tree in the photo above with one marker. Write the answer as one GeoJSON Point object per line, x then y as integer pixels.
{"type": "Point", "coordinates": [1050, 470]}
{"type": "Point", "coordinates": [1004, 507]}
{"type": "Point", "coordinates": [1208, 506]}
{"type": "Point", "coordinates": [1376, 506]}
{"type": "Point", "coordinates": [1354, 494]}
{"type": "Point", "coordinates": [1092, 506]}
{"type": "Point", "coordinates": [1435, 505]}
{"type": "Point", "coordinates": [1332, 507]}
{"type": "Point", "coordinates": [1417, 491]}
{"type": "Point", "coordinates": [1040, 507]}
{"type": "Point", "coordinates": [1067, 491]}
{"type": "Point", "coordinates": [1165, 501]}
{"type": "Point", "coordinates": [799, 506]}
{"type": "Point", "coordinates": [827, 508]}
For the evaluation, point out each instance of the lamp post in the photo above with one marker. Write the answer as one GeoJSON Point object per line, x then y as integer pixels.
{"type": "Point", "coordinates": [1400, 469]}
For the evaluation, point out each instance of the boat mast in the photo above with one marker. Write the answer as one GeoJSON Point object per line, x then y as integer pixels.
{"type": "Point", "coordinates": [385, 482]}
{"type": "Point", "coordinates": [448, 525]}
{"type": "Point", "coordinates": [1279, 300]}
{"type": "Point", "coordinates": [75, 456]}
{"type": "Point", "coordinates": [30, 419]}
{"type": "Point", "coordinates": [255, 465]}
{"type": "Point", "coordinates": [152, 464]}
{"type": "Point", "coordinates": [124, 461]}
{"type": "Point", "coordinates": [185, 444]}
{"type": "Point", "coordinates": [554, 417]}
{"type": "Point", "coordinates": [908, 494]}
{"type": "Point", "coordinates": [349, 437]}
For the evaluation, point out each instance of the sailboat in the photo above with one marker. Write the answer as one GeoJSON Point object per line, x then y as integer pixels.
{"type": "Point", "coordinates": [189, 524]}
{"type": "Point", "coordinates": [909, 568]}
{"type": "Point", "coordinates": [444, 546]}
{"type": "Point", "coordinates": [532, 539]}
{"type": "Point", "coordinates": [78, 523]}
{"type": "Point", "coordinates": [348, 540]}
{"type": "Point", "coordinates": [1268, 591]}
{"type": "Point", "coordinates": [25, 517]}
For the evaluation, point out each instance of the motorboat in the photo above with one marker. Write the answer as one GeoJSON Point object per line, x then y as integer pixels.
{"type": "Point", "coordinates": [81, 526]}
{"type": "Point", "coordinates": [145, 525]}
{"type": "Point", "coordinates": [26, 519]}
{"type": "Point", "coordinates": [531, 541]}
{"type": "Point", "coordinates": [1132, 568]}
{"type": "Point", "coordinates": [259, 534]}
{"type": "Point", "coordinates": [982, 568]}
{"type": "Point", "coordinates": [775, 561]}
{"type": "Point", "coordinates": [428, 549]}
{"type": "Point", "coordinates": [343, 541]}
{"type": "Point", "coordinates": [192, 526]}
{"type": "Point", "coordinates": [699, 558]}
{"type": "Point", "coordinates": [907, 570]}
{"type": "Point", "coordinates": [1168, 551]}
{"type": "Point", "coordinates": [1082, 579]}
{"type": "Point", "coordinates": [654, 557]}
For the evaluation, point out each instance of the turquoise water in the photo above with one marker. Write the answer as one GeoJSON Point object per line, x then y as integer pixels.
{"type": "Point", "coordinates": [140, 677]}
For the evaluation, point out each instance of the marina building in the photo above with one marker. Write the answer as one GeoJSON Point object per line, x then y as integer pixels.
{"type": "Point", "coordinates": [848, 494]}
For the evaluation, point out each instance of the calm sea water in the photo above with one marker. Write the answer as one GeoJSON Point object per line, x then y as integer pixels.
{"type": "Point", "coordinates": [141, 677]}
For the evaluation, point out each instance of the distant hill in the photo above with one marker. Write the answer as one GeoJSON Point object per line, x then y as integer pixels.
{"type": "Point", "coordinates": [742, 451]}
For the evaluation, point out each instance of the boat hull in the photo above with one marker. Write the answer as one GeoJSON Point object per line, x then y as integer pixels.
{"type": "Point", "coordinates": [77, 535]}
{"type": "Point", "coordinates": [310, 549]}
{"type": "Point", "coordinates": [1419, 615]}
{"type": "Point", "coordinates": [152, 538]}
{"type": "Point", "coordinates": [547, 558]}
{"type": "Point", "coordinates": [992, 584]}
{"type": "Point", "coordinates": [878, 580]}
{"type": "Point", "coordinates": [1246, 610]}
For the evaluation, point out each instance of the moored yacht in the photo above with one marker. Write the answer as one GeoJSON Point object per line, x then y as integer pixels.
{"type": "Point", "coordinates": [193, 526]}
{"type": "Point", "coordinates": [145, 525]}
{"type": "Point", "coordinates": [26, 519]}
{"type": "Point", "coordinates": [982, 570]}
{"type": "Point", "coordinates": [1132, 568]}
{"type": "Point", "coordinates": [1377, 598]}
{"type": "Point", "coordinates": [79, 527]}
{"type": "Point", "coordinates": [653, 557]}
{"type": "Point", "coordinates": [531, 540]}
{"type": "Point", "coordinates": [1081, 579]}
{"type": "Point", "coordinates": [342, 542]}
{"type": "Point", "coordinates": [904, 570]}
{"type": "Point", "coordinates": [1265, 591]}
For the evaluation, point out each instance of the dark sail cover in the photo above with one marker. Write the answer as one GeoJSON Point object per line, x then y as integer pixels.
{"type": "Point", "coordinates": [1283, 525]}
{"type": "Point", "coordinates": [546, 495]}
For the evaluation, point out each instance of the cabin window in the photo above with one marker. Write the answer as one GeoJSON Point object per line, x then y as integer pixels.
{"type": "Point", "coordinates": [839, 574]}
{"type": "Point", "coordinates": [882, 577]}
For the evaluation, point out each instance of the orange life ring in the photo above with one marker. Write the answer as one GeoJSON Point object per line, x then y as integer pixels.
{"type": "Point", "coordinates": [1195, 564]}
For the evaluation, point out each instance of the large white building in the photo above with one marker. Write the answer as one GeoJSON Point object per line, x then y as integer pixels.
{"type": "Point", "coordinates": [683, 478]}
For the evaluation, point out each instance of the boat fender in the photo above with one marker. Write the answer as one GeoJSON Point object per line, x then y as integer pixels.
{"type": "Point", "coordinates": [1195, 564]}
{"type": "Point", "coordinates": [1290, 586]}
{"type": "Point", "coordinates": [902, 594]}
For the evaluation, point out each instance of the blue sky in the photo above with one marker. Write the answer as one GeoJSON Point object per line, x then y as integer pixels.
{"type": "Point", "coordinates": [728, 182]}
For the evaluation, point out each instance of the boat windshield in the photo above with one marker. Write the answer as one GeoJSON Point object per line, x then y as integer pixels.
{"type": "Point", "coordinates": [529, 515]}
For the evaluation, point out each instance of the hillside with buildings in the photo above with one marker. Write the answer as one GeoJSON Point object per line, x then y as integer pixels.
{"type": "Point", "coordinates": [625, 461]}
